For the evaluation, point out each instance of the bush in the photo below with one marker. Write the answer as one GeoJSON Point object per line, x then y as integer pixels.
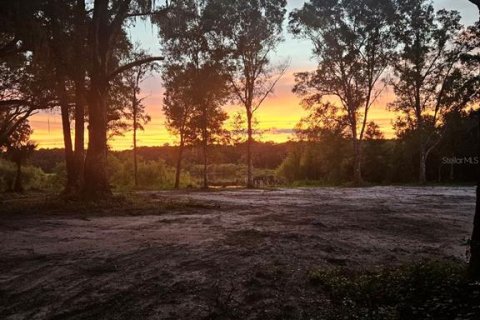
{"type": "Point", "coordinates": [33, 178]}
{"type": "Point", "coordinates": [152, 174]}
{"type": "Point", "coordinates": [7, 175]}
{"type": "Point", "coordinates": [324, 162]}
{"type": "Point", "coordinates": [428, 290]}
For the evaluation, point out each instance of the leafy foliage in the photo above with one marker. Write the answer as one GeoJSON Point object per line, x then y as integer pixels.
{"type": "Point", "coordinates": [353, 45]}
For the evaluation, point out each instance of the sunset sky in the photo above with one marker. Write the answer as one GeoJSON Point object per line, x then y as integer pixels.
{"type": "Point", "coordinates": [277, 116]}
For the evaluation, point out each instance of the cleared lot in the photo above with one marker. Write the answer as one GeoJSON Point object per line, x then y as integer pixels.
{"type": "Point", "coordinates": [219, 255]}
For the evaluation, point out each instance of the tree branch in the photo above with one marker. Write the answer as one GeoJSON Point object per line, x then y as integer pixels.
{"type": "Point", "coordinates": [272, 86]}
{"type": "Point", "coordinates": [133, 64]}
{"type": "Point", "coordinates": [26, 103]}
{"type": "Point", "coordinates": [149, 13]}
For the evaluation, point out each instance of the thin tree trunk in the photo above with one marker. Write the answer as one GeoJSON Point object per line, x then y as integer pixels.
{"type": "Point", "coordinates": [474, 264]}
{"type": "Point", "coordinates": [18, 187]}
{"type": "Point", "coordinates": [79, 73]}
{"type": "Point", "coordinates": [422, 173]}
{"type": "Point", "coordinates": [67, 134]}
{"type": "Point", "coordinates": [135, 164]}
{"type": "Point", "coordinates": [205, 162]}
{"type": "Point", "coordinates": [249, 150]}
{"type": "Point", "coordinates": [179, 163]}
{"type": "Point", "coordinates": [205, 146]}
{"type": "Point", "coordinates": [357, 162]}
{"type": "Point", "coordinates": [79, 153]}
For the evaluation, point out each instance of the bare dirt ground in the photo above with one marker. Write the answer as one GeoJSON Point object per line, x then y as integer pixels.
{"type": "Point", "coordinates": [219, 255]}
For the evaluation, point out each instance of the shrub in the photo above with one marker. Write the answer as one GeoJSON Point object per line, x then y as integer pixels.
{"type": "Point", "coordinates": [33, 178]}
{"type": "Point", "coordinates": [428, 290]}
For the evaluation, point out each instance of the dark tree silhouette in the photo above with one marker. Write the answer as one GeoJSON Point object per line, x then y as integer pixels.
{"type": "Point", "coordinates": [21, 27]}
{"type": "Point", "coordinates": [179, 111]}
{"type": "Point", "coordinates": [25, 87]}
{"type": "Point", "coordinates": [106, 27]}
{"type": "Point", "coordinates": [137, 111]}
{"type": "Point", "coordinates": [195, 77]}
{"type": "Point", "coordinates": [427, 74]}
{"type": "Point", "coordinates": [249, 31]}
{"type": "Point", "coordinates": [18, 149]}
{"type": "Point", "coordinates": [474, 265]}
{"type": "Point", "coordinates": [353, 43]}
{"type": "Point", "coordinates": [59, 57]}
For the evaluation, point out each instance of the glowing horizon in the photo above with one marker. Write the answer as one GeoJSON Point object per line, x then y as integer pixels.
{"type": "Point", "coordinates": [278, 116]}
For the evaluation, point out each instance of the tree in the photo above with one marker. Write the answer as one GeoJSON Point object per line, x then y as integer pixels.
{"type": "Point", "coordinates": [249, 31]}
{"type": "Point", "coordinates": [321, 150]}
{"type": "Point", "coordinates": [195, 78]}
{"type": "Point", "coordinates": [78, 73]}
{"type": "Point", "coordinates": [42, 44]}
{"type": "Point", "coordinates": [24, 89]}
{"type": "Point", "coordinates": [19, 148]}
{"type": "Point", "coordinates": [58, 56]}
{"type": "Point", "coordinates": [474, 263]}
{"type": "Point", "coordinates": [137, 111]}
{"type": "Point", "coordinates": [179, 111]}
{"type": "Point", "coordinates": [428, 79]}
{"type": "Point", "coordinates": [373, 132]}
{"type": "Point", "coordinates": [108, 20]}
{"type": "Point", "coordinates": [20, 27]}
{"type": "Point", "coordinates": [239, 131]}
{"type": "Point", "coordinates": [353, 44]}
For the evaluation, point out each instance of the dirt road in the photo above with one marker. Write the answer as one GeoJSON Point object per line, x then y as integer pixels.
{"type": "Point", "coordinates": [222, 255]}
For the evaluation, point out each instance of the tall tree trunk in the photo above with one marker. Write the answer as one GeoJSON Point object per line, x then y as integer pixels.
{"type": "Point", "coordinates": [179, 162]}
{"type": "Point", "coordinates": [474, 264]}
{"type": "Point", "coordinates": [357, 162]}
{"type": "Point", "coordinates": [205, 146]}
{"type": "Point", "coordinates": [79, 153]}
{"type": "Point", "coordinates": [422, 169]}
{"type": "Point", "coordinates": [249, 149]}
{"type": "Point", "coordinates": [96, 181]}
{"type": "Point", "coordinates": [67, 134]}
{"type": "Point", "coordinates": [79, 73]}
{"type": "Point", "coordinates": [135, 164]}
{"type": "Point", "coordinates": [18, 187]}
{"type": "Point", "coordinates": [205, 161]}
{"type": "Point", "coordinates": [101, 41]}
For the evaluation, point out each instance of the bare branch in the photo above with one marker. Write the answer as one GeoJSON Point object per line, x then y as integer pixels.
{"type": "Point", "coordinates": [133, 64]}
{"type": "Point", "coordinates": [272, 86]}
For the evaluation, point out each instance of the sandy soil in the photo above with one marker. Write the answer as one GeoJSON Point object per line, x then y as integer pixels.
{"type": "Point", "coordinates": [230, 255]}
